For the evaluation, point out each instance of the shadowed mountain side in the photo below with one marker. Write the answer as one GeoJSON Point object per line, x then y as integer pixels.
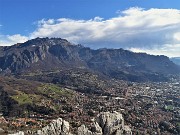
{"type": "Point", "coordinates": [176, 60]}
{"type": "Point", "coordinates": [51, 54]}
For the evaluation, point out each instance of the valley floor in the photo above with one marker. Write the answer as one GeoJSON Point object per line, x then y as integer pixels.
{"type": "Point", "coordinates": [148, 108]}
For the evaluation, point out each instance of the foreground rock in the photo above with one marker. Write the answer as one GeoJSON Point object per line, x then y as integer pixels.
{"type": "Point", "coordinates": [18, 133]}
{"type": "Point", "coordinates": [1, 131]}
{"type": "Point", "coordinates": [106, 124]}
{"type": "Point", "coordinates": [57, 127]}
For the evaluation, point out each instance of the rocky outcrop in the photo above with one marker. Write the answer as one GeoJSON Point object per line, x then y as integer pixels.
{"type": "Point", "coordinates": [18, 133]}
{"type": "Point", "coordinates": [57, 127]}
{"type": "Point", "coordinates": [106, 124]}
{"type": "Point", "coordinates": [1, 131]}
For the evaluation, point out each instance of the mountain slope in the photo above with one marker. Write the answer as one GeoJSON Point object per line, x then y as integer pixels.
{"type": "Point", "coordinates": [176, 60]}
{"type": "Point", "coordinates": [44, 54]}
{"type": "Point", "coordinates": [18, 96]}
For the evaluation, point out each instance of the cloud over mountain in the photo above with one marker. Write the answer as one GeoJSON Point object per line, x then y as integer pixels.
{"type": "Point", "coordinates": [6, 40]}
{"type": "Point", "coordinates": [156, 31]}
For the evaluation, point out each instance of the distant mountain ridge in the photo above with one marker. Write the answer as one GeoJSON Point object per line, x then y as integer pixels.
{"type": "Point", "coordinates": [176, 60]}
{"type": "Point", "coordinates": [42, 54]}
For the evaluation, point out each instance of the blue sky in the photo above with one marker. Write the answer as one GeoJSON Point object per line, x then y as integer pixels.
{"type": "Point", "coordinates": [18, 16]}
{"type": "Point", "coordinates": [128, 24]}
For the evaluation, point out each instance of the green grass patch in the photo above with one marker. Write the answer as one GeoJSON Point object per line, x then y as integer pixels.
{"type": "Point", "coordinates": [54, 91]}
{"type": "Point", "coordinates": [169, 107]}
{"type": "Point", "coordinates": [23, 98]}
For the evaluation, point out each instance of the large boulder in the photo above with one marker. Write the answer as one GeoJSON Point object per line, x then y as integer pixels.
{"type": "Point", "coordinates": [96, 130]}
{"type": "Point", "coordinates": [18, 133]}
{"type": "Point", "coordinates": [110, 122]}
{"type": "Point", "coordinates": [107, 124]}
{"type": "Point", "coordinates": [1, 131]}
{"type": "Point", "coordinates": [57, 127]}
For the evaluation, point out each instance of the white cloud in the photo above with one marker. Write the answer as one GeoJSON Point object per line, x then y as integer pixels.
{"type": "Point", "coordinates": [43, 21]}
{"type": "Point", "coordinates": [168, 50]}
{"type": "Point", "coordinates": [152, 30]}
{"type": "Point", "coordinates": [7, 40]}
{"type": "Point", "coordinates": [177, 36]}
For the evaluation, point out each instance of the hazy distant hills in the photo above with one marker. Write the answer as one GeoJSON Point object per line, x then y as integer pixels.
{"type": "Point", "coordinates": [52, 54]}
{"type": "Point", "coordinates": [176, 60]}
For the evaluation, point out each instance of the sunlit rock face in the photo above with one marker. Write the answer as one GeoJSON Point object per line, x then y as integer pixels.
{"type": "Point", "coordinates": [57, 127]}
{"type": "Point", "coordinates": [106, 123]}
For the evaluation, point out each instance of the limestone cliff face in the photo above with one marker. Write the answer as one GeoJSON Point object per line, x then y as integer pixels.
{"type": "Point", "coordinates": [106, 124]}
{"type": "Point", "coordinates": [57, 127]}
{"type": "Point", "coordinates": [18, 133]}
{"type": "Point", "coordinates": [17, 59]}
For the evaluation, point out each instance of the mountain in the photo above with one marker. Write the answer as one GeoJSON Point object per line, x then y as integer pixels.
{"type": "Point", "coordinates": [50, 78]}
{"type": "Point", "coordinates": [56, 54]}
{"type": "Point", "coordinates": [176, 60]}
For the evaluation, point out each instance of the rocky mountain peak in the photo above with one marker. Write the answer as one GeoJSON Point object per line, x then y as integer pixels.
{"type": "Point", "coordinates": [45, 41]}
